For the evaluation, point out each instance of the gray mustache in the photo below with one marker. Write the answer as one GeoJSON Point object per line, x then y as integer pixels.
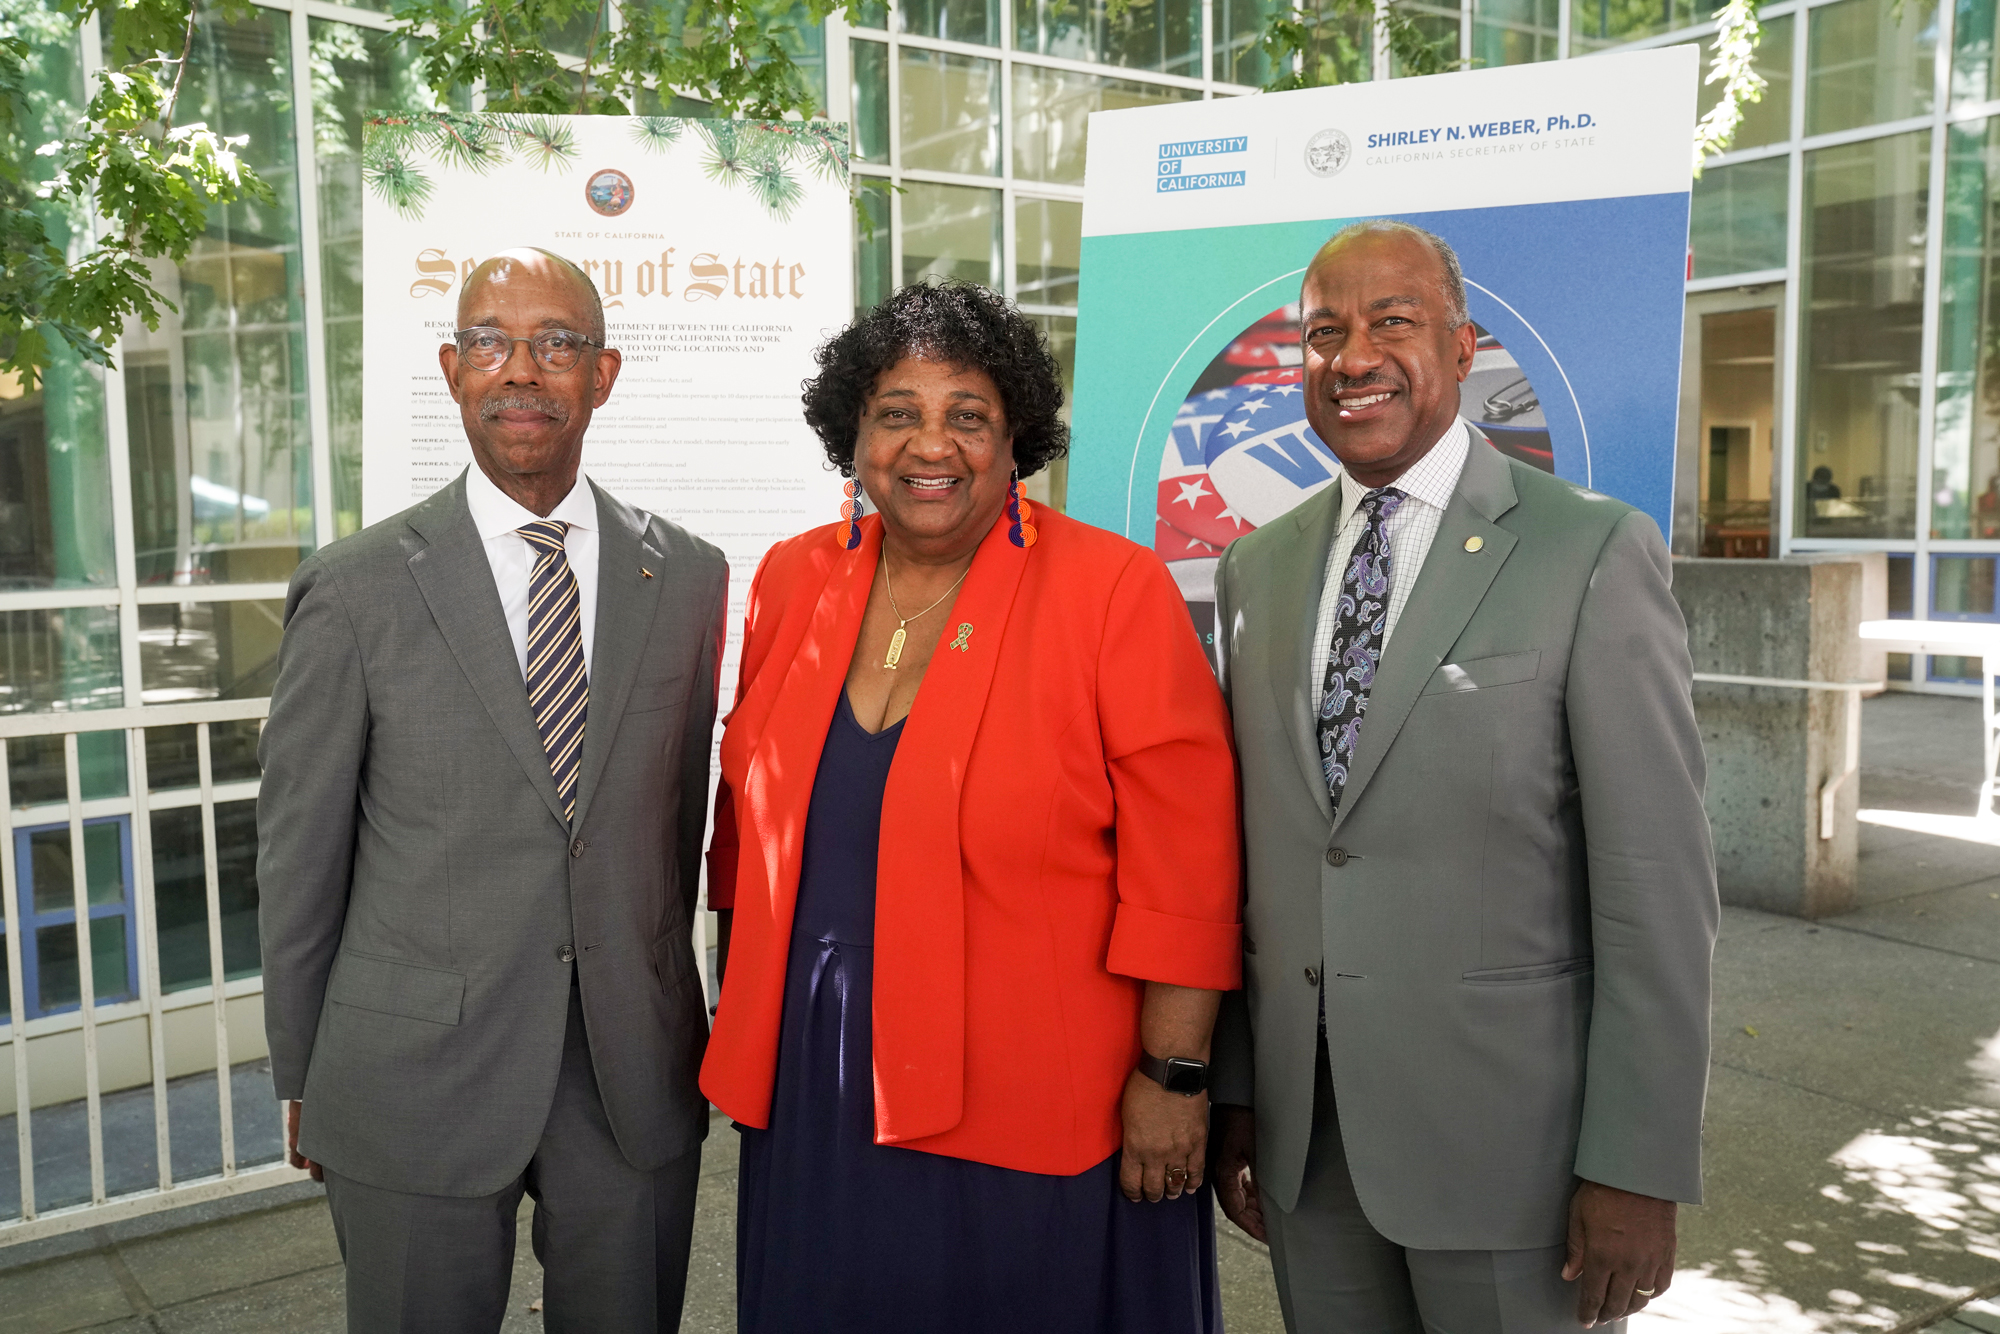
{"type": "Point", "coordinates": [499, 403]}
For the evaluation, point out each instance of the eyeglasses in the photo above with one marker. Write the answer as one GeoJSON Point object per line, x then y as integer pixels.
{"type": "Point", "coordinates": [554, 350]}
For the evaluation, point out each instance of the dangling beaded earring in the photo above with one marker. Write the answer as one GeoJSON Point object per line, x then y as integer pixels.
{"type": "Point", "coordinates": [850, 509]}
{"type": "Point", "coordinates": [1022, 532]}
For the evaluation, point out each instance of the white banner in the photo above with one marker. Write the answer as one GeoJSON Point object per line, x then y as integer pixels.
{"type": "Point", "coordinates": [723, 251]}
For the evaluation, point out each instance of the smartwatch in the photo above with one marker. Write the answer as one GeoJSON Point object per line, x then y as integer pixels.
{"type": "Point", "coordinates": [1175, 1074]}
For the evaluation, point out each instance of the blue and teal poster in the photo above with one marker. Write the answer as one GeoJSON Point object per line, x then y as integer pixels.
{"type": "Point", "coordinates": [1564, 189]}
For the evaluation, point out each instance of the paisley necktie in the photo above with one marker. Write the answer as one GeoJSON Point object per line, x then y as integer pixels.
{"type": "Point", "coordinates": [1360, 625]}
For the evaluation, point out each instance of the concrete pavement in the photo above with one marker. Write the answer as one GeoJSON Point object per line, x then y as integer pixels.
{"type": "Point", "coordinates": [1853, 1130]}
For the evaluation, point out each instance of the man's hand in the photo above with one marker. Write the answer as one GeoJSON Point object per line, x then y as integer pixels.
{"type": "Point", "coordinates": [1166, 1141]}
{"type": "Point", "coordinates": [1236, 1168]}
{"type": "Point", "coordinates": [292, 1154]}
{"type": "Point", "coordinates": [1621, 1251]}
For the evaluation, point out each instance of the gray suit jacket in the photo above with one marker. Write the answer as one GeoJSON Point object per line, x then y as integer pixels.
{"type": "Point", "coordinates": [1516, 908]}
{"type": "Point", "coordinates": [418, 880]}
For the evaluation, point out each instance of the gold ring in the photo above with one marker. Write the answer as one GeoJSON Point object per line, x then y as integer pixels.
{"type": "Point", "coordinates": [1645, 1292]}
{"type": "Point", "coordinates": [1177, 1171]}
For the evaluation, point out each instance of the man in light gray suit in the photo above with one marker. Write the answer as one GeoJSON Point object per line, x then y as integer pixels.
{"type": "Point", "coordinates": [1462, 1087]}
{"type": "Point", "coordinates": [485, 780]}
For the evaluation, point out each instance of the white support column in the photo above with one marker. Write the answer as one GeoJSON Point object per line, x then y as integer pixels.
{"type": "Point", "coordinates": [147, 924]}
{"type": "Point", "coordinates": [79, 883]}
{"type": "Point", "coordinates": [17, 1000]}
{"type": "Point", "coordinates": [216, 974]}
{"type": "Point", "coordinates": [319, 410]}
{"type": "Point", "coordinates": [1383, 65]}
{"type": "Point", "coordinates": [1791, 420]}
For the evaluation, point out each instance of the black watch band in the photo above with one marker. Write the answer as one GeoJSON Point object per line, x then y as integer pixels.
{"type": "Point", "coordinates": [1175, 1074]}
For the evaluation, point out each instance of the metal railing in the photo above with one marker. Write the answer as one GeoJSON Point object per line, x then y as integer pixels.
{"type": "Point", "coordinates": [152, 1003]}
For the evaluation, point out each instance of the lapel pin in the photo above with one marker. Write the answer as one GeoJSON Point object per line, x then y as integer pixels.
{"type": "Point", "coordinates": [964, 634]}
{"type": "Point", "coordinates": [649, 574]}
{"type": "Point", "coordinates": [1474, 543]}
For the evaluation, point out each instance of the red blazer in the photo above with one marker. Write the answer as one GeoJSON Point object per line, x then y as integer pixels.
{"type": "Point", "coordinates": [1059, 826]}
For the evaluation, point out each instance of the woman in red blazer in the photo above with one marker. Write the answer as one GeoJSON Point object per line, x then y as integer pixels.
{"type": "Point", "coordinates": [975, 932]}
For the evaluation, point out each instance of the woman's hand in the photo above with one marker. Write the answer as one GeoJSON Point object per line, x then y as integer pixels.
{"type": "Point", "coordinates": [1166, 1141]}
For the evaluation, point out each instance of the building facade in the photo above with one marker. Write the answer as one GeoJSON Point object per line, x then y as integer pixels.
{"type": "Point", "coordinates": [1842, 380]}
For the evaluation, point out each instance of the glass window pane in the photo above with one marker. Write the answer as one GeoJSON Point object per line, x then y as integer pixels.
{"type": "Point", "coordinates": [180, 898]}
{"type": "Point", "coordinates": [50, 866]}
{"type": "Point", "coordinates": [1047, 245]}
{"type": "Point", "coordinates": [172, 761]}
{"type": "Point", "coordinates": [1962, 588]}
{"type": "Point", "coordinates": [1164, 35]}
{"type": "Point", "coordinates": [1439, 29]}
{"type": "Point", "coordinates": [1596, 24]}
{"type": "Point", "coordinates": [35, 767]}
{"type": "Point", "coordinates": [1239, 24]}
{"type": "Point", "coordinates": [1738, 218]}
{"type": "Point", "coordinates": [1871, 61]}
{"type": "Point", "coordinates": [1052, 111]}
{"type": "Point", "coordinates": [950, 231]}
{"type": "Point", "coordinates": [975, 21]}
{"type": "Point", "coordinates": [1052, 486]}
{"type": "Point", "coordinates": [874, 14]}
{"type": "Point", "coordinates": [208, 650]}
{"type": "Point", "coordinates": [1965, 477]}
{"type": "Point", "coordinates": [355, 71]}
{"type": "Point", "coordinates": [874, 278]}
{"type": "Point", "coordinates": [950, 113]}
{"type": "Point", "coordinates": [59, 658]}
{"type": "Point", "coordinates": [1514, 32]}
{"type": "Point", "coordinates": [55, 478]}
{"type": "Point", "coordinates": [871, 100]}
{"type": "Point", "coordinates": [1975, 73]}
{"type": "Point", "coordinates": [236, 886]}
{"type": "Point", "coordinates": [1863, 272]}
{"type": "Point", "coordinates": [181, 892]}
{"type": "Point", "coordinates": [216, 397]}
{"type": "Point", "coordinates": [1768, 120]}
{"type": "Point", "coordinates": [55, 957]}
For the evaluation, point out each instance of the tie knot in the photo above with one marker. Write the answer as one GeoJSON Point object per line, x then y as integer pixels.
{"type": "Point", "coordinates": [544, 534]}
{"type": "Point", "coordinates": [1383, 502]}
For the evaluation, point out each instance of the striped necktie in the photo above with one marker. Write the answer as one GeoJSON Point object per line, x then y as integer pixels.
{"type": "Point", "coordinates": [558, 689]}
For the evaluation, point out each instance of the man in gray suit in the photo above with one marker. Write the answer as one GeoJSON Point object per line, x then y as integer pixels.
{"type": "Point", "coordinates": [485, 779]}
{"type": "Point", "coordinates": [1464, 1078]}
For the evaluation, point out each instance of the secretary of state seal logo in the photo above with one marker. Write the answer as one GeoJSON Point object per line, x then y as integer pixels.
{"type": "Point", "coordinates": [1327, 152]}
{"type": "Point", "coordinates": [610, 191]}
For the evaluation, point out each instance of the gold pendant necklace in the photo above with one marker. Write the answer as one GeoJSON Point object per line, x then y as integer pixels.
{"type": "Point", "coordinates": [902, 634]}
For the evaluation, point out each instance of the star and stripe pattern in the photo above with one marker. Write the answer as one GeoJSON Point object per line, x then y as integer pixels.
{"type": "Point", "coordinates": [558, 688]}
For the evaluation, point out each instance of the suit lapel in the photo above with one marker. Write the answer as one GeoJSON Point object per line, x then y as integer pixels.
{"type": "Point", "coordinates": [920, 891]}
{"type": "Point", "coordinates": [456, 581]}
{"type": "Point", "coordinates": [627, 604]}
{"type": "Point", "coordinates": [1295, 677]}
{"type": "Point", "coordinates": [1448, 590]}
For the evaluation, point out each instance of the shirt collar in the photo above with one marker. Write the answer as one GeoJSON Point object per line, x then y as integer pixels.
{"type": "Point", "coordinates": [1431, 479]}
{"type": "Point", "coordinates": [495, 512]}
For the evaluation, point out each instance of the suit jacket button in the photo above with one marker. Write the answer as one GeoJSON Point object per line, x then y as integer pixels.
{"type": "Point", "coordinates": [1312, 977]}
{"type": "Point", "coordinates": [566, 954]}
{"type": "Point", "coordinates": [1336, 856]}
{"type": "Point", "coordinates": [576, 848]}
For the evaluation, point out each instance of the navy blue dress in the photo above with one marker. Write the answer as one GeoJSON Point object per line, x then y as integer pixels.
{"type": "Point", "coordinates": [836, 1234]}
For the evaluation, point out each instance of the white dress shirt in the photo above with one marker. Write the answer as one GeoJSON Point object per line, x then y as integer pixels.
{"type": "Point", "coordinates": [499, 517]}
{"type": "Point", "coordinates": [1429, 484]}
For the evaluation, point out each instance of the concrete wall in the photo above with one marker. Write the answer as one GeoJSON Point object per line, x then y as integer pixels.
{"type": "Point", "coordinates": [124, 1051]}
{"type": "Point", "coordinates": [1769, 749]}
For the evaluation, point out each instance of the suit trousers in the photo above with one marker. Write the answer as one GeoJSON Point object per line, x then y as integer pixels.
{"type": "Point", "coordinates": [613, 1240]}
{"type": "Point", "coordinates": [1337, 1275]}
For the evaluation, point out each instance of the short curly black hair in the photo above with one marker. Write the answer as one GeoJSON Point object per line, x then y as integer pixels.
{"type": "Point", "coordinates": [956, 322]}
